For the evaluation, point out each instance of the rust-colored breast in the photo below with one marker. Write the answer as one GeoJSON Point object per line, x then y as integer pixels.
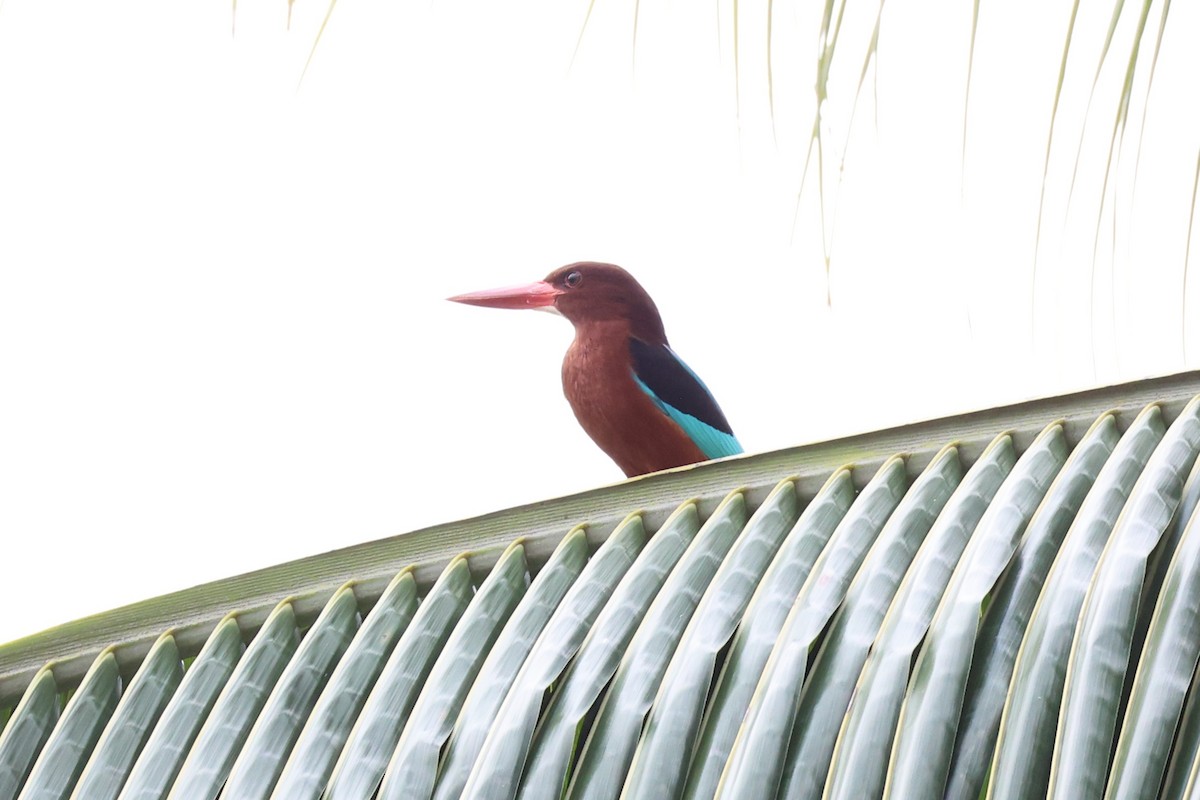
{"type": "Point", "coordinates": [621, 419]}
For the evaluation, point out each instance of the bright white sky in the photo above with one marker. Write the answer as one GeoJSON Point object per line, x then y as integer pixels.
{"type": "Point", "coordinates": [223, 336]}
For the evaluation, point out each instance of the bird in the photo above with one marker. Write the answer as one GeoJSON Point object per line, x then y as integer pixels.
{"type": "Point", "coordinates": [636, 399]}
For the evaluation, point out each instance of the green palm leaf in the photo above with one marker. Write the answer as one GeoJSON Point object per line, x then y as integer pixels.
{"type": "Point", "coordinates": [228, 724]}
{"type": "Point", "coordinates": [859, 764]}
{"type": "Point", "coordinates": [360, 767]}
{"type": "Point", "coordinates": [413, 765]}
{"type": "Point", "coordinates": [136, 714]}
{"type": "Point", "coordinates": [608, 751]}
{"type": "Point", "coordinates": [328, 726]}
{"type": "Point", "coordinates": [760, 627]}
{"type": "Point", "coordinates": [1024, 748]}
{"type": "Point", "coordinates": [1100, 652]}
{"type": "Point", "coordinates": [1184, 765]}
{"type": "Point", "coordinates": [1037, 614]}
{"type": "Point", "coordinates": [62, 759]}
{"type": "Point", "coordinates": [929, 718]}
{"type": "Point", "coordinates": [663, 755]}
{"type": "Point", "coordinates": [509, 652]}
{"type": "Point", "coordinates": [556, 741]}
{"type": "Point", "coordinates": [269, 742]}
{"type": "Point", "coordinates": [497, 771]}
{"type": "Point", "coordinates": [754, 766]}
{"type": "Point", "coordinates": [1168, 661]}
{"type": "Point", "coordinates": [828, 691]}
{"type": "Point", "coordinates": [163, 755]}
{"type": "Point", "coordinates": [1011, 605]}
{"type": "Point", "coordinates": [27, 731]}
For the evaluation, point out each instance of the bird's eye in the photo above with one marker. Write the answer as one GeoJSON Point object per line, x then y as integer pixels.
{"type": "Point", "coordinates": [573, 279]}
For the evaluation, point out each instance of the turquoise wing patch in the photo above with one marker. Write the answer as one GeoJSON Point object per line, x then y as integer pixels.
{"type": "Point", "coordinates": [712, 442]}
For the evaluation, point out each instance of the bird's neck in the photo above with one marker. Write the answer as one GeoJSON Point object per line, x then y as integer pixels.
{"type": "Point", "coordinates": [616, 333]}
{"type": "Point", "coordinates": [603, 333]}
{"type": "Point", "coordinates": [599, 353]}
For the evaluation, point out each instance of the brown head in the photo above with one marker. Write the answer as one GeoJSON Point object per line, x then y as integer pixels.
{"type": "Point", "coordinates": [584, 292]}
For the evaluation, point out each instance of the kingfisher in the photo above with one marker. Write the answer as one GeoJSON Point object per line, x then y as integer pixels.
{"type": "Point", "coordinates": [637, 400]}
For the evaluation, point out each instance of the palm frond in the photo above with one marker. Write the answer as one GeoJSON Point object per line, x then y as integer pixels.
{"type": "Point", "coordinates": [890, 614]}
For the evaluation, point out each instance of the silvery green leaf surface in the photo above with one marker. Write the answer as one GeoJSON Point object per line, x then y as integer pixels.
{"type": "Point", "coordinates": [556, 741]}
{"type": "Point", "coordinates": [169, 742]}
{"type": "Point", "coordinates": [859, 765]}
{"type": "Point", "coordinates": [221, 737]}
{"type": "Point", "coordinates": [664, 753]}
{"type": "Point", "coordinates": [605, 757]}
{"type": "Point", "coordinates": [509, 652]}
{"type": "Point", "coordinates": [27, 731]}
{"type": "Point", "coordinates": [1098, 558]}
{"type": "Point", "coordinates": [497, 770]}
{"type": "Point", "coordinates": [754, 764]}
{"type": "Point", "coordinates": [826, 694]}
{"type": "Point", "coordinates": [274, 732]}
{"type": "Point", "coordinates": [1091, 697]}
{"type": "Point", "coordinates": [1011, 605]}
{"type": "Point", "coordinates": [1160, 559]}
{"type": "Point", "coordinates": [129, 727]}
{"type": "Point", "coordinates": [63, 757]}
{"type": "Point", "coordinates": [929, 717]}
{"type": "Point", "coordinates": [1024, 745]}
{"type": "Point", "coordinates": [360, 767]}
{"type": "Point", "coordinates": [1164, 673]}
{"type": "Point", "coordinates": [328, 726]}
{"type": "Point", "coordinates": [759, 629]}
{"type": "Point", "coordinates": [413, 766]}
{"type": "Point", "coordinates": [1184, 764]}
{"type": "Point", "coordinates": [1183, 757]}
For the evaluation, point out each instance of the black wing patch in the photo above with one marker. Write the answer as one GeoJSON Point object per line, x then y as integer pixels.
{"type": "Point", "coordinates": [672, 382]}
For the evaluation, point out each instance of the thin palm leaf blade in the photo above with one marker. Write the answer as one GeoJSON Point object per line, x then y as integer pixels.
{"type": "Point", "coordinates": [859, 764]}
{"type": "Point", "coordinates": [1058, 87]}
{"type": "Point", "coordinates": [1011, 606]}
{"type": "Point", "coordinates": [663, 755]}
{"type": "Point", "coordinates": [165, 750]}
{"type": "Point", "coordinates": [1186, 744]}
{"type": "Point", "coordinates": [1155, 565]}
{"type": "Point", "coordinates": [413, 766]}
{"type": "Point", "coordinates": [509, 652]}
{"type": "Point", "coordinates": [826, 695]}
{"type": "Point", "coordinates": [760, 627]}
{"type": "Point", "coordinates": [221, 737]}
{"type": "Point", "coordinates": [62, 759]}
{"type": "Point", "coordinates": [279, 723]}
{"type": "Point", "coordinates": [754, 764]}
{"type": "Point", "coordinates": [1185, 755]}
{"type": "Point", "coordinates": [1025, 742]}
{"type": "Point", "coordinates": [1169, 656]}
{"type": "Point", "coordinates": [556, 740]}
{"type": "Point", "coordinates": [605, 757]}
{"type": "Point", "coordinates": [135, 715]}
{"type": "Point", "coordinates": [328, 726]}
{"type": "Point", "coordinates": [929, 718]}
{"type": "Point", "coordinates": [27, 731]}
{"type": "Point", "coordinates": [1100, 652]}
{"type": "Point", "coordinates": [359, 768]}
{"type": "Point", "coordinates": [1160, 561]}
{"type": "Point", "coordinates": [497, 771]}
